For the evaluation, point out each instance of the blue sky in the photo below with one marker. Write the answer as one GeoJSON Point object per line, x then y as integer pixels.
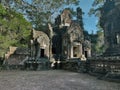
{"type": "Point", "coordinates": [89, 21]}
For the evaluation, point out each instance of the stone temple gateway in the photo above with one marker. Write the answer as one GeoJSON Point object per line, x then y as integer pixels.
{"type": "Point", "coordinates": [39, 45]}
{"type": "Point", "coordinates": [39, 51]}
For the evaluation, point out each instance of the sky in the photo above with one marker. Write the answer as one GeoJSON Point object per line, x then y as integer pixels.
{"type": "Point", "coordinates": [89, 21]}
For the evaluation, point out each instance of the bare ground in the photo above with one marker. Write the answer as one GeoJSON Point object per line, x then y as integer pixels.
{"type": "Point", "coordinates": [52, 80]}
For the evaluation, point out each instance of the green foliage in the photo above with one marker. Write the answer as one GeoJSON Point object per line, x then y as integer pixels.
{"type": "Point", "coordinates": [98, 39]}
{"type": "Point", "coordinates": [2, 10]}
{"type": "Point", "coordinates": [100, 42]}
{"type": "Point", "coordinates": [40, 12]}
{"type": "Point", "coordinates": [98, 2]}
{"type": "Point", "coordinates": [44, 10]}
{"type": "Point", "coordinates": [14, 29]}
{"type": "Point", "coordinates": [97, 5]}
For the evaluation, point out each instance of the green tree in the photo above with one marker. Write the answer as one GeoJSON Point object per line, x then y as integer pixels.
{"type": "Point", "coordinates": [14, 29]}
{"type": "Point", "coordinates": [98, 42]}
{"type": "Point", "coordinates": [96, 7]}
{"type": "Point", "coordinates": [40, 12]}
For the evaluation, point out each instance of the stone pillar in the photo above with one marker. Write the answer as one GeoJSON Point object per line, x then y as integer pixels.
{"type": "Point", "coordinates": [80, 50]}
{"type": "Point", "coordinates": [89, 53]}
{"type": "Point", "coordinates": [32, 49]}
{"type": "Point", "coordinates": [50, 49]}
{"type": "Point", "coordinates": [68, 52]}
{"type": "Point", "coordinates": [71, 51]}
{"type": "Point", "coordinates": [38, 52]}
{"type": "Point", "coordinates": [118, 38]}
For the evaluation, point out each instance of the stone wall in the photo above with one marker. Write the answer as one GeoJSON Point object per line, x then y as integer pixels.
{"type": "Point", "coordinates": [109, 21]}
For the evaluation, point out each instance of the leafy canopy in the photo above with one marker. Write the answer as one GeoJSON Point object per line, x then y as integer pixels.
{"type": "Point", "coordinates": [14, 29]}
{"type": "Point", "coordinates": [40, 12]}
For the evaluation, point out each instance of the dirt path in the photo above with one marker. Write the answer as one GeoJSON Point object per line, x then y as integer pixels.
{"type": "Point", "coordinates": [52, 80]}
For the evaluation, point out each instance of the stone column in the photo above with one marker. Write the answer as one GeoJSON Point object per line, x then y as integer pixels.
{"type": "Point", "coordinates": [38, 52]}
{"type": "Point", "coordinates": [80, 50]}
{"type": "Point", "coordinates": [68, 51]}
{"type": "Point", "coordinates": [89, 53]}
{"type": "Point", "coordinates": [118, 38]}
{"type": "Point", "coordinates": [71, 52]}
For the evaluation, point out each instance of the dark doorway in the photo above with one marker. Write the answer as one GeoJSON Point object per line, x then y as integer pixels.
{"type": "Point", "coordinates": [42, 52]}
{"type": "Point", "coordinates": [74, 51]}
{"type": "Point", "coordinates": [53, 50]}
{"type": "Point", "coordinates": [86, 54]}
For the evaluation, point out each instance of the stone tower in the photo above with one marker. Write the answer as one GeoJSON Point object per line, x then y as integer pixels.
{"type": "Point", "coordinates": [68, 41]}
{"type": "Point", "coordinates": [110, 22]}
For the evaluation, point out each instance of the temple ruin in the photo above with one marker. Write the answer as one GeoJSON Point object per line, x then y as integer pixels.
{"type": "Point", "coordinates": [63, 41]}
{"type": "Point", "coordinates": [68, 41]}
{"type": "Point", "coordinates": [39, 45]}
{"type": "Point", "coordinates": [109, 21]}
